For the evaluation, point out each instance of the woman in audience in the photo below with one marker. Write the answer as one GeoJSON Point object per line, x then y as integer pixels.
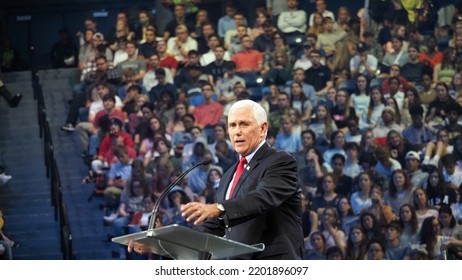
{"type": "Point", "coordinates": [436, 109]}
{"type": "Point", "coordinates": [219, 134]}
{"type": "Point", "coordinates": [367, 143]}
{"type": "Point", "coordinates": [375, 249]}
{"type": "Point", "coordinates": [317, 27]}
{"type": "Point", "coordinates": [298, 124]}
{"type": "Point", "coordinates": [316, 248]}
{"type": "Point", "coordinates": [360, 99]}
{"type": "Point", "coordinates": [430, 235]}
{"type": "Point", "coordinates": [323, 125]}
{"type": "Point", "coordinates": [400, 119]}
{"type": "Point", "coordinates": [456, 85]}
{"type": "Point", "coordinates": [175, 124]}
{"type": "Point", "coordinates": [342, 110]}
{"type": "Point", "coordinates": [398, 146]}
{"type": "Point", "coordinates": [160, 149]}
{"type": "Point", "coordinates": [427, 93]}
{"type": "Point", "coordinates": [438, 190]}
{"type": "Point", "coordinates": [445, 70]}
{"type": "Point", "coordinates": [357, 243]}
{"type": "Point", "coordinates": [382, 213]}
{"type": "Point", "coordinates": [346, 214]}
{"type": "Point", "coordinates": [298, 101]}
{"type": "Point", "coordinates": [262, 16]}
{"type": "Point", "coordinates": [157, 130]}
{"type": "Point", "coordinates": [451, 232]}
{"type": "Point", "coordinates": [421, 206]}
{"type": "Point", "coordinates": [139, 116]}
{"type": "Point", "coordinates": [361, 200]}
{"type": "Point", "coordinates": [409, 224]}
{"type": "Point", "coordinates": [399, 190]}
{"type": "Point", "coordinates": [131, 201]}
{"type": "Point", "coordinates": [331, 228]}
{"type": "Point", "coordinates": [371, 226]}
{"type": "Point", "coordinates": [278, 70]}
{"type": "Point", "coordinates": [313, 170]}
{"type": "Point", "coordinates": [328, 197]}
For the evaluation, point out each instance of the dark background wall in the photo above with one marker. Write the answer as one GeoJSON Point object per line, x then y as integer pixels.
{"type": "Point", "coordinates": [48, 16]}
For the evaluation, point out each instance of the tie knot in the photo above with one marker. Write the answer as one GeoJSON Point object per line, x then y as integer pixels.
{"type": "Point", "coordinates": [243, 161]}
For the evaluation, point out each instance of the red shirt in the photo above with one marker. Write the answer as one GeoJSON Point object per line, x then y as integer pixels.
{"type": "Point", "coordinates": [248, 60]}
{"type": "Point", "coordinates": [169, 62]}
{"type": "Point", "coordinates": [107, 145]}
{"type": "Point", "coordinates": [433, 61]}
{"type": "Point", "coordinates": [208, 114]}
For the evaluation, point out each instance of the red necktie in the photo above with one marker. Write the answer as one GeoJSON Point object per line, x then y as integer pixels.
{"type": "Point", "coordinates": [239, 170]}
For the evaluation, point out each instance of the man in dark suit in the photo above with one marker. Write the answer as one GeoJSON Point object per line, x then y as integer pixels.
{"type": "Point", "coordinates": [263, 206]}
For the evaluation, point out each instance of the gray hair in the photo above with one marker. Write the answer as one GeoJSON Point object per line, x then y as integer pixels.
{"type": "Point", "coordinates": [258, 111]}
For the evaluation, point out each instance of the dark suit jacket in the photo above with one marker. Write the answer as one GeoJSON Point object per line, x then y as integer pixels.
{"type": "Point", "coordinates": [265, 206]}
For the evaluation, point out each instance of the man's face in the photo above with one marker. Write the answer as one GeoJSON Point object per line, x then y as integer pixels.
{"type": "Point", "coordinates": [329, 25]}
{"type": "Point", "coordinates": [101, 64]}
{"type": "Point", "coordinates": [219, 53]}
{"type": "Point", "coordinates": [245, 133]}
{"type": "Point", "coordinates": [397, 44]}
{"type": "Point", "coordinates": [292, 4]}
{"type": "Point", "coordinates": [286, 126]}
{"type": "Point", "coordinates": [246, 43]}
{"type": "Point", "coordinates": [179, 11]}
{"type": "Point", "coordinates": [413, 54]}
{"type": "Point", "coordinates": [207, 30]}
{"type": "Point", "coordinates": [207, 92]}
{"type": "Point", "coordinates": [299, 76]}
{"type": "Point", "coordinates": [337, 165]}
{"type": "Point", "coordinates": [193, 59]}
{"type": "Point", "coordinates": [230, 12]}
{"type": "Point", "coordinates": [182, 35]}
{"type": "Point", "coordinates": [213, 42]}
{"type": "Point", "coordinates": [131, 50]}
{"type": "Point", "coordinates": [417, 120]}
{"type": "Point", "coordinates": [239, 19]}
{"type": "Point", "coordinates": [283, 101]}
{"type": "Point", "coordinates": [188, 123]}
{"type": "Point", "coordinates": [412, 164]}
{"type": "Point", "coordinates": [102, 91]}
{"type": "Point", "coordinates": [315, 59]}
{"type": "Point", "coordinates": [320, 6]}
{"type": "Point", "coordinates": [154, 61]}
{"type": "Point", "coordinates": [150, 36]}
{"type": "Point", "coordinates": [108, 104]}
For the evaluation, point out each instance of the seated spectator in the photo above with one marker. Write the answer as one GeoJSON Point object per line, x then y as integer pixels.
{"type": "Point", "coordinates": [329, 37]}
{"type": "Point", "coordinates": [213, 41]}
{"type": "Point", "coordinates": [217, 67]}
{"type": "Point", "coordinates": [363, 62]}
{"type": "Point", "coordinates": [352, 167]}
{"type": "Point", "coordinates": [179, 19]}
{"type": "Point", "coordinates": [64, 53]}
{"type": "Point", "coordinates": [292, 23]}
{"type": "Point", "coordinates": [361, 200]}
{"type": "Point", "coordinates": [388, 123]}
{"type": "Point", "coordinates": [395, 250]}
{"type": "Point", "coordinates": [286, 139]}
{"type": "Point", "coordinates": [317, 247]}
{"type": "Point", "coordinates": [412, 71]}
{"type": "Point", "coordinates": [385, 164]}
{"type": "Point", "coordinates": [321, 9]}
{"type": "Point", "coordinates": [331, 229]}
{"type": "Point", "coordinates": [249, 62]}
{"type": "Point", "coordinates": [445, 70]}
{"type": "Point", "coordinates": [418, 178]}
{"type": "Point", "coordinates": [436, 110]}
{"type": "Point", "coordinates": [313, 170]}
{"type": "Point", "coordinates": [328, 197]}
{"type": "Point", "coordinates": [239, 20]}
{"type": "Point", "coordinates": [344, 182]}
{"type": "Point", "coordinates": [166, 59]}
{"type": "Point", "coordinates": [318, 75]}
{"type": "Point", "coordinates": [265, 42]}
{"type": "Point", "coordinates": [131, 201]}
{"type": "Point", "coordinates": [163, 85]}
{"type": "Point", "coordinates": [337, 141]}
{"type": "Point", "coordinates": [451, 174]}
{"type": "Point", "coordinates": [118, 176]}
{"type": "Point", "coordinates": [180, 45]}
{"type": "Point", "coordinates": [439, 191]}
{"type": "Point", "coordinates": [224, 87]}
{"type": "Point", "coordinates": [398, 146]}
{"type": "Point", "coordinates": [417, 133]}
{"type": "Point", "coordinates": [398, 56]}
{"type": "Point", "coordinates": [322, 125]}
{"type": "Point", "coordinates": [147, 49]}
{"type": "Point", "coordinates": [356, 243]}
{"type": "Point", "coordinates": [382, 213]}
{"type": "Point", "coordinates": [408, 221]}
{"type": "Point", "coordinates": [150, 79]}
{"type": "Point", "coordinates": [400, 190]}
{"type": "Point", "coordinates": [421, 205]}
{"type": "Point", "coordinates": [226, 22]}
{"type": "Point", "coordinates": [133, 63]}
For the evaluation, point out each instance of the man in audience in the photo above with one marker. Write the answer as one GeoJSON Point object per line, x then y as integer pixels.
{"type": "Point", "coordinates": [328, 39]}
{"type": "Point", "coordinates": [162, 85]}
{"type": "Point", "coordinates": [210, 56]}
{"type": "Point", "coordinates": [249, 62]}
{"type": "Point", "coordinates": [216, 68]}
{"type": "Point", "coordinates": [417, 176]}
{"type": "Point", "coordinates": [417, 133]}
{"type": "Point", "coordinates": [166, 59]}
{"type": "Point", "coordinates": [209, 113]}
{"type": "Point", "coordinates": [265, 42]}
{"type": "Point", "coordinates": [226, 22]}
{"type": "Point", "coordinates": [148, 48]}
{"type": "Point", "coordinates": [319, 76]}
{"type": "Point", "coordinates": [292, 23]}
{"type": "Point", "coordinates": [137, 66]}
{"type": "Point", "coordinates": [150, 79]}
{"type": "Point", "coordinates": [363, 62]}
{"type": "Point", "coordinates": [224, 88]}
{"type": "Point", "coordinates": [413, 70]}
{"type": "Point", "coordinates": [180, 45]}
{"type": "Point", "coordinates": [180, 19]}
{"type": "Point", "coordinates": [202, 41]}
{"type": "Point", "coordinates": [308, 90]}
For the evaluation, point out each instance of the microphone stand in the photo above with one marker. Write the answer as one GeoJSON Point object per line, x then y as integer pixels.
{"type": "Point", "coordinates": [152, 222]}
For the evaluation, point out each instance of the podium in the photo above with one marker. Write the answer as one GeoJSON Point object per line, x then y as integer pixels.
{"type": "Point", "coordinates": [182, 243]}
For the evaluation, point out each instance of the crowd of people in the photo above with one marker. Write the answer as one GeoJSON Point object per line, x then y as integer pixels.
{"type": "Point", "coordinates": [368, 103]}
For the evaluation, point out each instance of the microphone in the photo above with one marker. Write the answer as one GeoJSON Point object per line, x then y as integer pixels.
{"type": "Point", "coordinates": [152, 222]}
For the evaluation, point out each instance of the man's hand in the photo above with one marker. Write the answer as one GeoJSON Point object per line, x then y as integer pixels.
{"type": "Point", "coordinates": [198, 212]}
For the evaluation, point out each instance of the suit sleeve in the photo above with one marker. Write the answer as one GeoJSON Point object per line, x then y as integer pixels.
{"type": "Point", "coordinates": [266, 190]}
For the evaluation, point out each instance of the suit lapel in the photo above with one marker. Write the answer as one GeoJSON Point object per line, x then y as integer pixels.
{"type": "Point", "coordinates": [249, 168]}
